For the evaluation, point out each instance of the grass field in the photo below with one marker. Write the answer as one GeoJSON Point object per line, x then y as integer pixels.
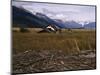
{"type": "Point", "coordinates": [69, 42]}
{"type": "Point", "coordinates": [53, 52]}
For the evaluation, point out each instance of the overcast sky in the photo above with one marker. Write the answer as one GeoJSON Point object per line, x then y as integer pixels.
{"type": "Point", "coordinates": [59, 11]}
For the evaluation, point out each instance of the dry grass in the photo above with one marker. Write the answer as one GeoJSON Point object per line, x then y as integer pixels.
{"type": "Point", "coordinates": [69, 42]}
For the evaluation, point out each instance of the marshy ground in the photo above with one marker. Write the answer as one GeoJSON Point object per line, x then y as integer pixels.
{"type": "Point", "coordinates": [49, 52]}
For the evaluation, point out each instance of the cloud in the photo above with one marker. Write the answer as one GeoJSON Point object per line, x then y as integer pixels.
{"type": "Point", "coordinates": [60, 11]}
